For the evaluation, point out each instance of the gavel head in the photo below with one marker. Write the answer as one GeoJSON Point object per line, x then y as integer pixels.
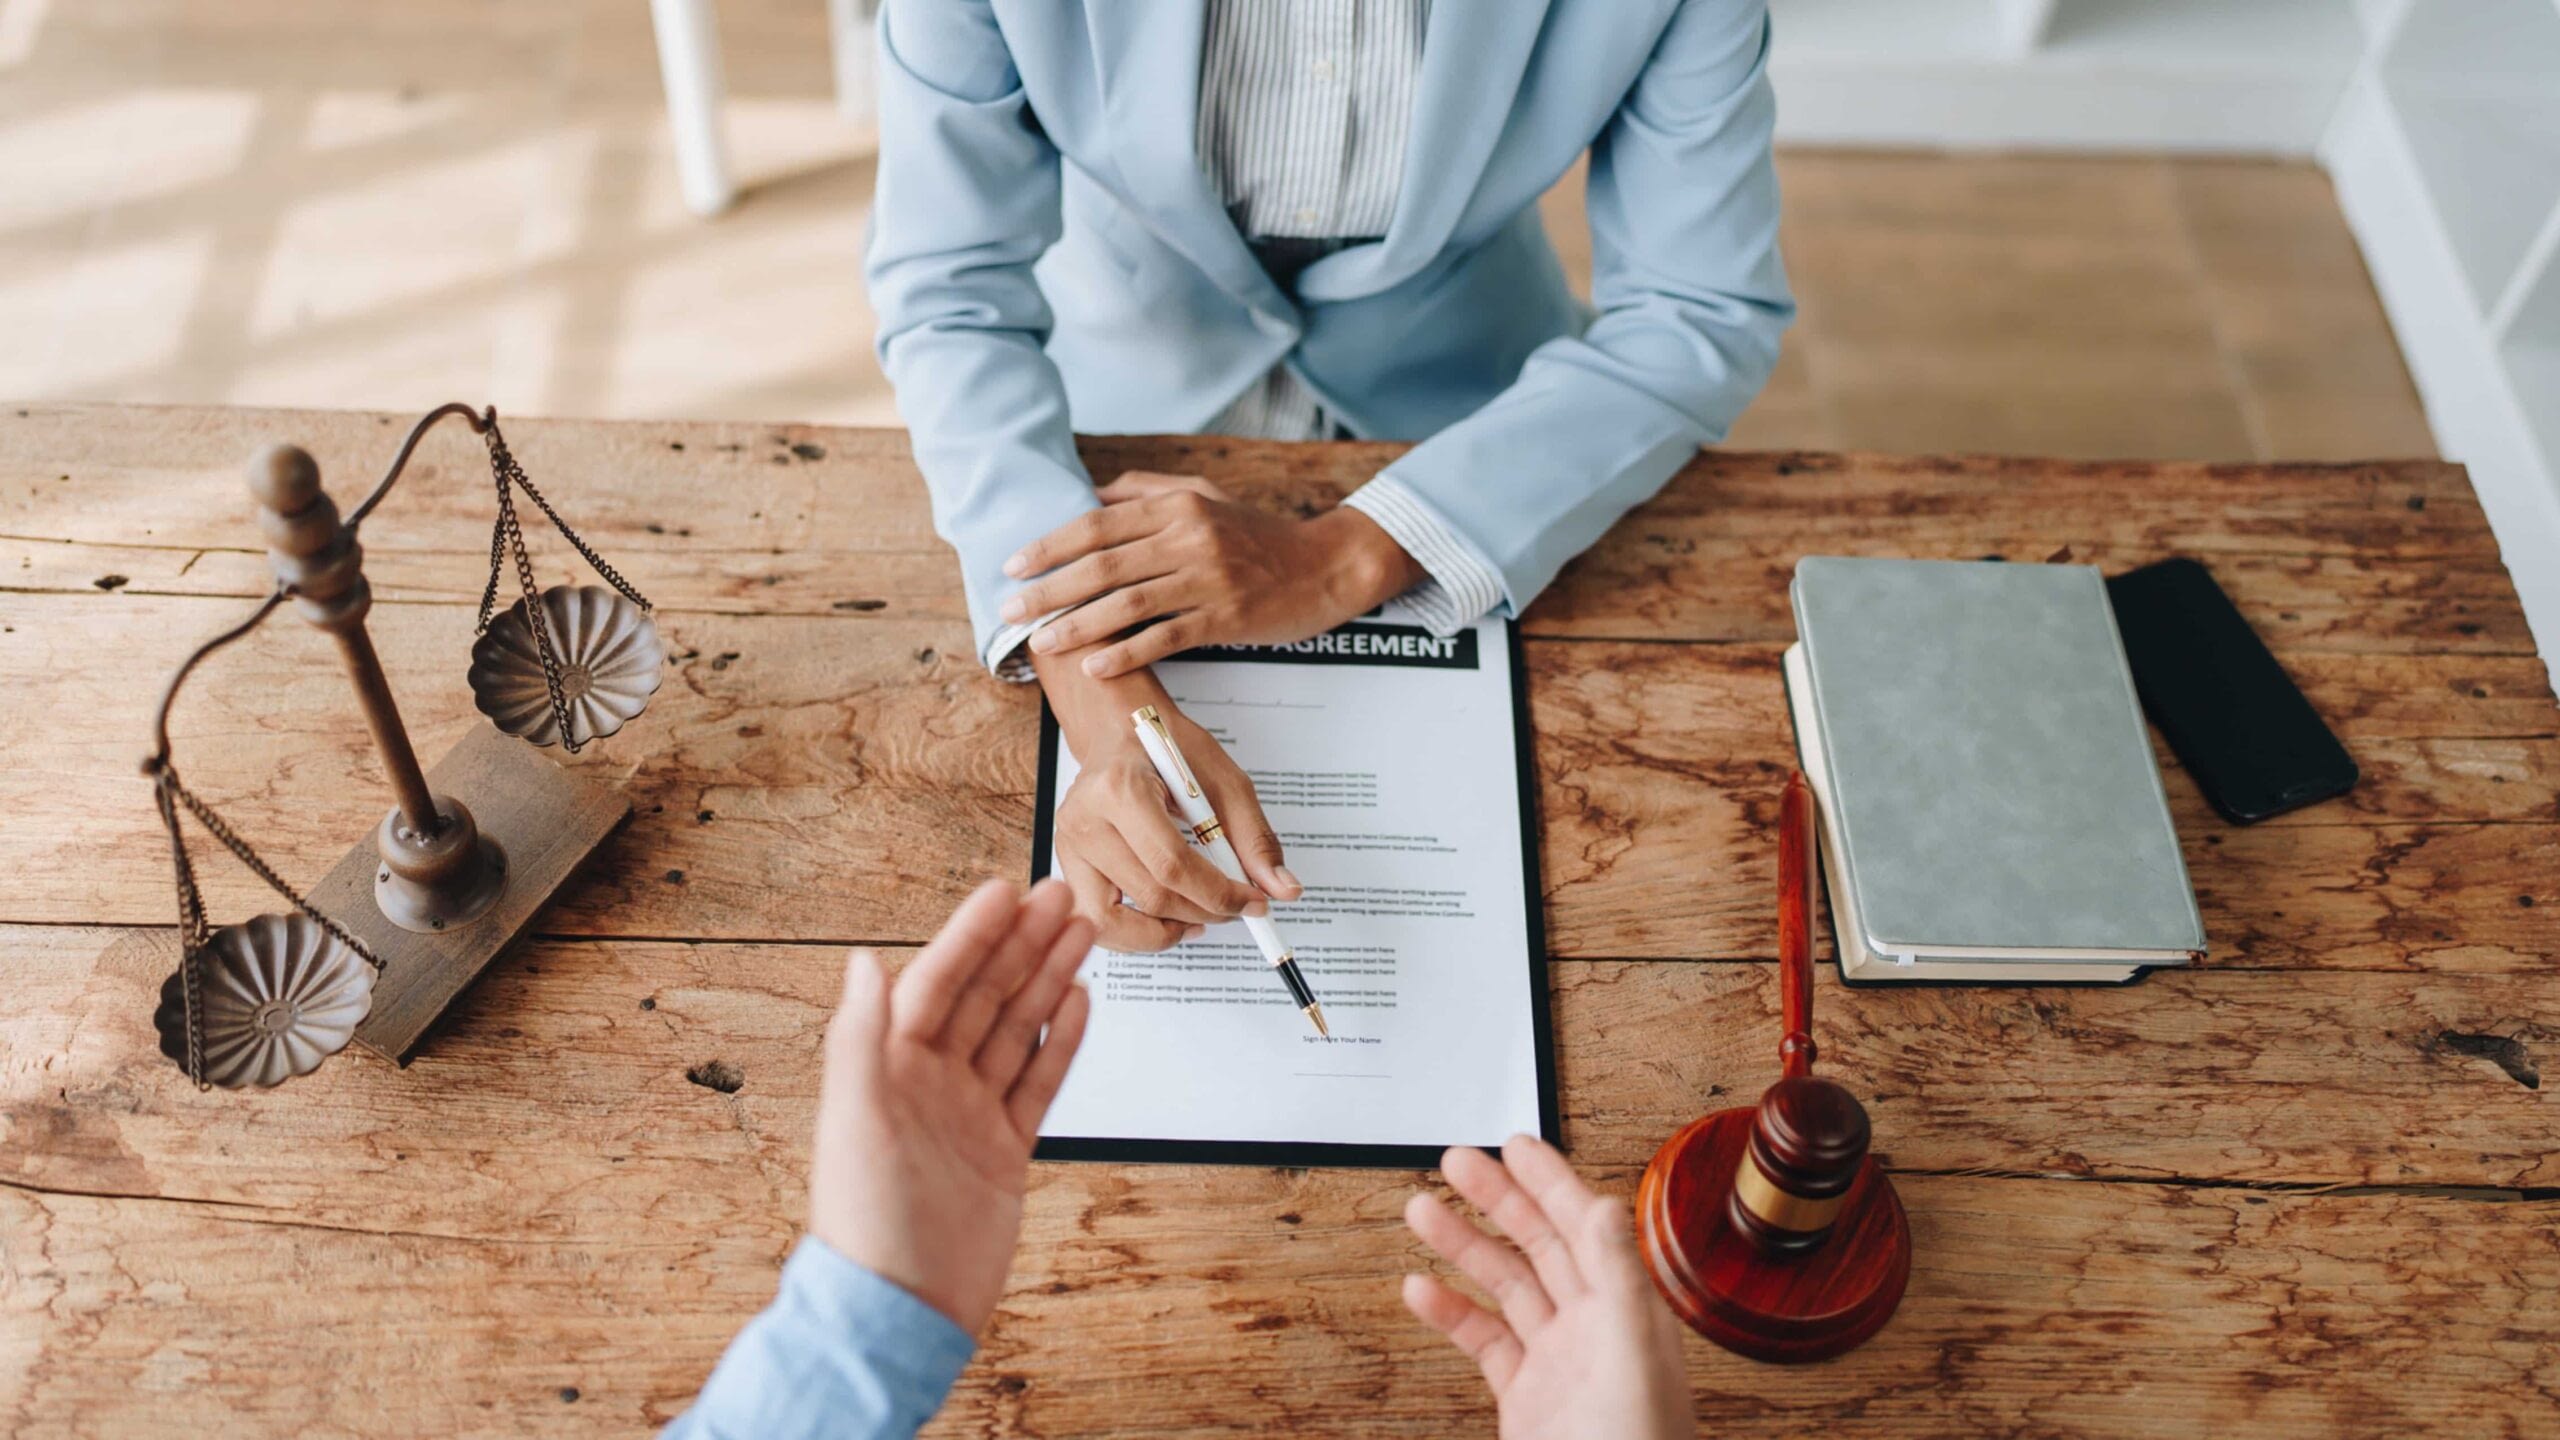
{"type": "Point", "coordinates": [1809, 1137]}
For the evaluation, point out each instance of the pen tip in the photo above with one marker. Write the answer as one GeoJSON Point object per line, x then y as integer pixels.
{"type": "Point", "coordinates": [1316, 1013]}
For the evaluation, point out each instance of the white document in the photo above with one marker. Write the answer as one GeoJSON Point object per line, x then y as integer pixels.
{"type": "Point", "coordinates": [1389, 764]}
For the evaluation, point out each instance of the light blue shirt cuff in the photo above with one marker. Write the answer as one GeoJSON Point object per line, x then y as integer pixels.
{"type": "Point", "coordinates": [841, 1353]}
{"type": "Point", "coordinates": [1463, 587]}
{"type": "Point", "coordinates": [1009, 649]}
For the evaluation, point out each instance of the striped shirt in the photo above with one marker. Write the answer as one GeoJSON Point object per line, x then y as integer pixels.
{"type": "Point", "coordinates": [1305, 108]}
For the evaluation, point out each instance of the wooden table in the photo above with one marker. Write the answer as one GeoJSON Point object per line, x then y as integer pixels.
{"type": "Point", "coordinates": [2307, 1188]}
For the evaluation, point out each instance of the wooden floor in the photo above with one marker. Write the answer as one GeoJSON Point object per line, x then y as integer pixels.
{"type": "Point", "coordinates": [279, 202]}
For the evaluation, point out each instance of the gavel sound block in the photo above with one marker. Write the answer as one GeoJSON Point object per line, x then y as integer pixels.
{"type": "Point", "coordinates": [472, 849]}
{"type": "Point", "coordinates": [1769, 1227]}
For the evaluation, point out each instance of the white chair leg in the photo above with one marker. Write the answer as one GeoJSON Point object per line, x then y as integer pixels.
{"type": "Point", "coordinates": [689, 63]}
{"type": "Point", "coordinates": [852, 28]}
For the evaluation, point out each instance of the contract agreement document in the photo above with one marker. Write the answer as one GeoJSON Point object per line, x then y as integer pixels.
{"type": "Point", "coordinates": [1393, 765]}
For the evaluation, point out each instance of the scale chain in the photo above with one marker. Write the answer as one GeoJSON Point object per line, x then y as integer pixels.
{"type": "Point", "coordinates": [195, 934]}
{"type": "Point", "coordinates": [220, 830]}
{"type": "Point", "coordinates": [508, 535]}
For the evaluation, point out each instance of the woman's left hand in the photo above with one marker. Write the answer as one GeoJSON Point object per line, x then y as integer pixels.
{"type": "Point", "coordinates": [1176, 558]}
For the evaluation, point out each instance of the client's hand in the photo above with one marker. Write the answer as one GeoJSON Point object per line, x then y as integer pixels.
{"type": "Point", "coordinates": [1583, 1345]}
{"type": "Point", "coordinates": [934, 1091]}
{"type": "Point", "coordinates": [1173, 555]}
{"type": "Point", "coordinates": [1116, 837]}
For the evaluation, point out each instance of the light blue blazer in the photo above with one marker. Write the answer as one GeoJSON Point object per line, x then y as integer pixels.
{"type": "Point", "coordinates": [1047, 255]}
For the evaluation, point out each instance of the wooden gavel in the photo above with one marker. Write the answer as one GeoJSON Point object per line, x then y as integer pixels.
{"type": "Point", "coordinates": [1769, 1227]}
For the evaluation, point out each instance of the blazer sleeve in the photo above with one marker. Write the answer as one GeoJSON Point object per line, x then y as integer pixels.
{"type": "Point", "coordinates": [966, 200]}
{"type": "Point", "coordinates": [1691, 298]}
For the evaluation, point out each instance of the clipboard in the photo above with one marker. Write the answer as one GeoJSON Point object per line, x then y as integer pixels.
{"type": "Point", "coordinates": [1417, 1156]}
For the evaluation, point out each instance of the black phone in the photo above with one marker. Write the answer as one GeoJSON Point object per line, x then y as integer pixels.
{"type": "Point", "coordinates": [2235, 719]}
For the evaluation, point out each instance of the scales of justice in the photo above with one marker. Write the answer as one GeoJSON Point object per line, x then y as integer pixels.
{"type": "Point", "coordinates": [469, 851]}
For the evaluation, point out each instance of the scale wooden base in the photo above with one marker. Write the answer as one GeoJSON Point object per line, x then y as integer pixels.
{"type": "Point", "coordinates": [543, 817]}
{"type": "Point", "coordinates": [1782, 1308]}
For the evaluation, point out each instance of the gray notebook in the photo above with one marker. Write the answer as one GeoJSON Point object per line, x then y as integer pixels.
{"type": "Point", "coordinates": [1990, 805]}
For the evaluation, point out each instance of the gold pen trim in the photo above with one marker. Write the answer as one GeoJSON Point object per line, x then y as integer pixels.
{"type": "Point", "coordinates": [1206, 831]}
{"type": "Point", "coordinates": [1148, 717]}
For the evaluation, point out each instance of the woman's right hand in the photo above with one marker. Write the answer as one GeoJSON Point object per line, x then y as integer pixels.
{"type": "Point", "coordinates": [1117, 837]}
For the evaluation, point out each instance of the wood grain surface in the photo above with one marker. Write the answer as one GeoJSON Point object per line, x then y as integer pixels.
{"type": "Point", "coordinates": [2306, 1189]}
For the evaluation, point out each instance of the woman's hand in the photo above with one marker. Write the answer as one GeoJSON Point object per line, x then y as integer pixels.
{"type": "Point", "coordinates": [1583, 1345]}
{"type": "Point", "coordinates": [934, 1092]}
{"type": "Point", "coordinates": [1116, 835]}
{"type": "Point", "coordinates": [1174, 557]}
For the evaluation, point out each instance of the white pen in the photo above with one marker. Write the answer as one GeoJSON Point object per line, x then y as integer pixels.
{"type": "Point", "coordinates": [1156, 738]}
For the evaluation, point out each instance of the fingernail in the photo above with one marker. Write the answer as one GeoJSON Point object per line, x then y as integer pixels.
{"type": "Point", "coordinates": [1016, 566]}
{"type": "Point", "coordinates": [1012, 610]}
{"type": "Point", "coordinates": [1194, 932]}
{"type": "Point", "coordinates": [1045, 641]}
{"type": "Point", "coordinates": [1093, 665]}
{"type": "Point", "coordinates": [1258, 908]}
{"type": "Point", "coordinates": [1288, 880]}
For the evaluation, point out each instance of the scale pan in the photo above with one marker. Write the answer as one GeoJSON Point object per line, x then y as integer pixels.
{"type": "Point", "coordinates": [279, 996]}
{"type": "Point", "coordinates": [610, 664]}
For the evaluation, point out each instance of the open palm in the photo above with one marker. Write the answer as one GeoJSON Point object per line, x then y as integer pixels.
{"type": "Point", "coordinates": [1583, 1345]}
{"type": "Point", "coordinates": [934, 1092]}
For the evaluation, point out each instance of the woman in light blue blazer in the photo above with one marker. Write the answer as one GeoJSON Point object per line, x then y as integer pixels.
{"type": "Point", "coordinates": [1311, 218]}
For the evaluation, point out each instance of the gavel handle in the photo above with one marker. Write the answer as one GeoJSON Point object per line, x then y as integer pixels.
{"type": "Point", "coordinates": [1795, 924]}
